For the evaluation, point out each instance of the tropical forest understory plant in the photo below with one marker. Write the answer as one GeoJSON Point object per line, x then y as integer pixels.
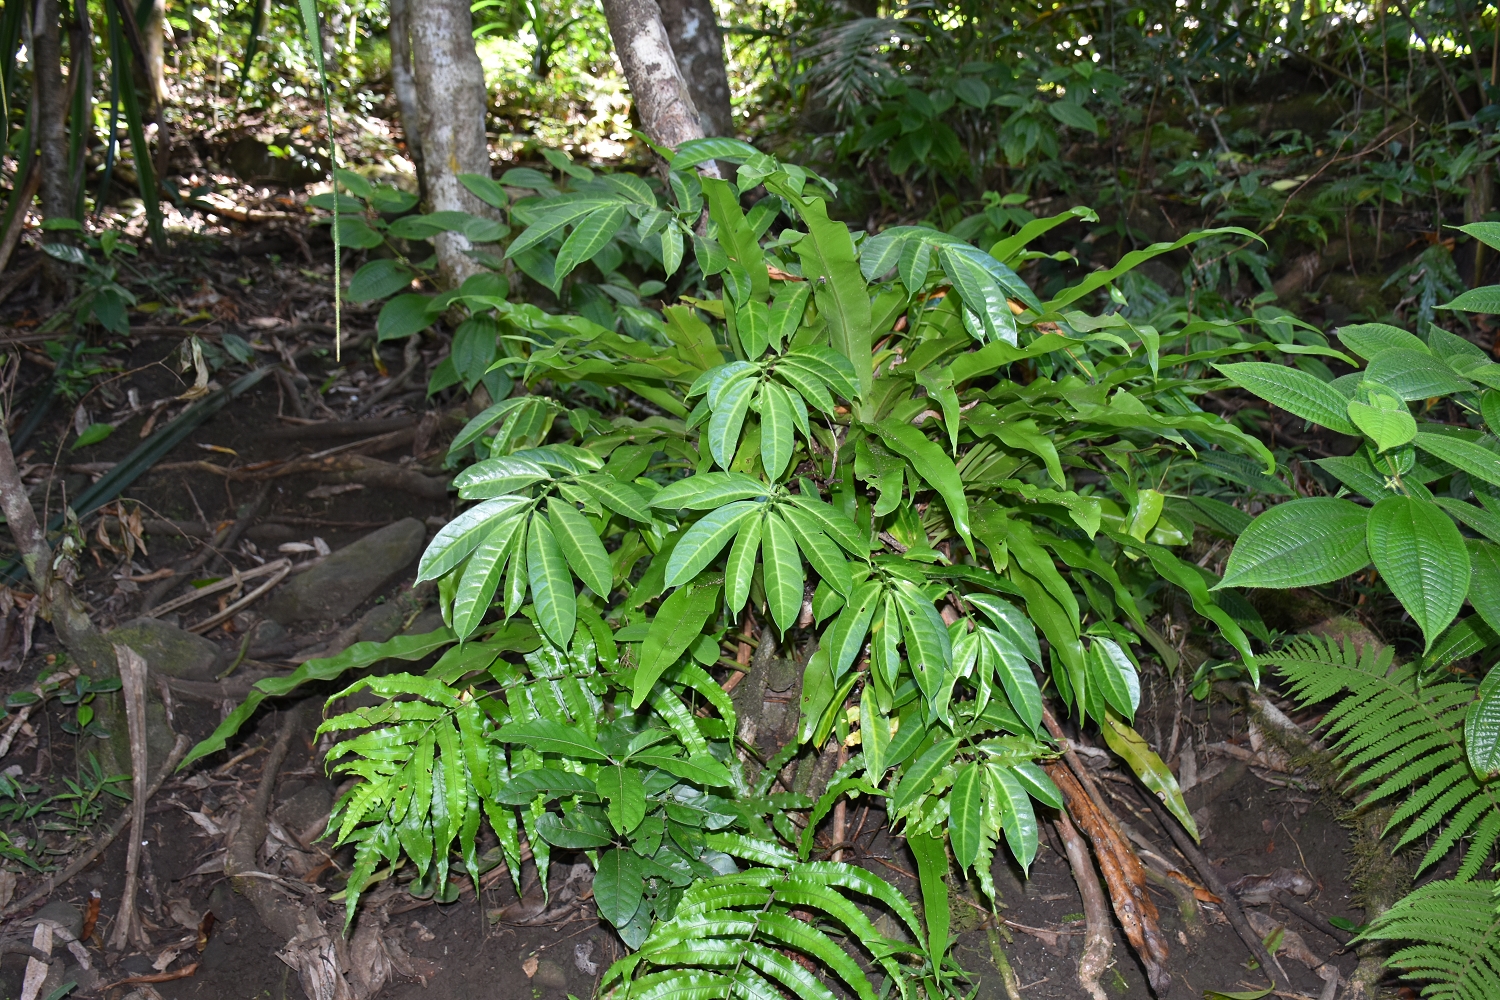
{"type": "Point", "coordinates": [952, 501]}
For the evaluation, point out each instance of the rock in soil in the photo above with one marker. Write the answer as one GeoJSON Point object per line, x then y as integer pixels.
{"type": "Point", "coordinates": [65, 914]}
{"type": "Point", "coordinates": [344, 580]}
{"type": "Point", "coordinates": [170, 650]}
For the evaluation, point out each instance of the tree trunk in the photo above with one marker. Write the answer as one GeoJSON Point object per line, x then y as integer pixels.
{"type": "Point", "coordinates": [154, 36]}
{"type": "Point", "coordinates": [693, 30]}
{"type": "Point", "coordinates": [50, 112]}
{"type": "Point", "coordinates": [452, 99]}
{"type": "Point", "coordinates": [405, 85]}
{"type": "Point", "coordinates": [662, 99]}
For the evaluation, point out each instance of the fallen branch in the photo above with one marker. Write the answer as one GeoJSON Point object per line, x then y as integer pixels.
{"type": "Point", "coordinates": [128, 928]}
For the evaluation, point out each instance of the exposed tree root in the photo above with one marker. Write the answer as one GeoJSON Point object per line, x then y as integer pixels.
{"type": "Point", "coordinates": [1096, 943]}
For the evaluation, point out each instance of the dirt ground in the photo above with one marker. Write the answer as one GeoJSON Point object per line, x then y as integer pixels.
{"type": "Point", "coordinates": [1256, 821]}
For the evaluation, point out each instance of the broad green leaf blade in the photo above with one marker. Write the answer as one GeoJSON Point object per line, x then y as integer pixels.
{"type": "Point", "coordinates": [495, 477]}
{"type": "Point", "coordinates": [1148, 766]}
{"type": "Point", "coordinates": [1484, 580]}
{"type": "Point", "coordinates": [1470, 456]}
{"type": "Point", "coordinates": [545, 736]}
{"type": "Point", "coordinates": [828, 261]}
{"type": "Point", "coordinates": [476, 590]}
{"type": "Point", "coordinates": [580, 546]}
{"type": "Point", "coordinates": [935, 468]}
{"type": "Point", "coordinates": [1115, 676]}
{"type": "Point", "coordinates": [1421, 556]}
{"type": "Point", "coordinates": [1414, 374]}
{"type": "Point", "coordinates": [1482, 727]}
{"type": "Point", "coordinates": [618, 887]}
{"type": "Point", "coordinates": [966, 814]}
{"type": "Point", "coordinates": [462, 535]}
{"type": "Point", "coordinates": [678, 623]}
{"type": "Point", "coordinates": [620, 497]}
{"type": "Point", "coordinates": [820, 550]}
{"type": "Point", "coordinates": [625, 795]}
{"type": "Point", "coordinates": [1017, 817]}
{"type": "Point", "coordinates": [781, 569]}
{"type": "Point", "coordinates": [551, 583]}
{"type": "Point", "coordinates": [1299, 544]}
{"type": "Point", "coordinates": [709, 490]}
{"type": "Point", "coordinates": [740, 569]}
{"type": "Point", "coordinates": [705, 539]}
{"type": "Point", "coordinates": [589, 237]}
{"type": "Point", "coordinates": [776, 423]}
{"type": "Point", "coordinates": [1295, 391]}
{"type": "Point", "coordinates": [727, 420]}
{"type": "Point", "coordinates": [917, 779]}
{"type": "Point", "coordinates": [1369, 339]}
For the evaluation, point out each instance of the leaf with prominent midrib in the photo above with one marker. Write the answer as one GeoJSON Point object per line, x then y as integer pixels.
{"type": "Point", "coordinates": [545, 736]}
{"type": "Point", "coordinates": [934, 466]}
{"type": "Point", "coordinates": [1296, 391]}
{"type": "Point", "coordinates": [1482, 727]}
{"type": "Point", "coordinates": [581, 546]}
{"type": "Point", "coordinates": [740, 568]}
{"type": "Point", "coordinates": [1470, 456]}
{"type": "Point", "coordinates": [621, 788]}
{"type": "Point", "coordinates": [1484, 580]}
{"type": "Point", "coordinates": [476, 589]}
{"type": "Point", "coordinates": [1298, 544]}
{"type": "Point", "coordinates": [781, 570]}
{"type": "Point", "coordinates": [551, 584]}
{"type": "Point", "coordinates": [705, 539]}
{"type": "Point", "coordinates": [677, 625]}
{"type": "Point", "coordinates": [1017, 817]}
{"type": "Point", "coordinates": [776, 423]}
{"type": "Point", "coordinates": [1421, 556]}
{"type": "Point", "coordinates": [618, 887]}
{"type": "Point", "coordinates": [966, 814]}
{"type": "Point", "coordinates": [1148, 766]}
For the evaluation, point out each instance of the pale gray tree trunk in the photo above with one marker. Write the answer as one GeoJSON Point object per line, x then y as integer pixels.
{"type": "Point", "coordinates": [451, 99]}
{"type": "Point", "coordinates": [405, 84]}
{"type": "Point", "coordinates": [50, 113]}
{"type": "Point", "coordinates": [693, 31]}
{"type": "Point", "coordinates": [662, 99]}
{"type": "Point", "coordinates": [154, 35]}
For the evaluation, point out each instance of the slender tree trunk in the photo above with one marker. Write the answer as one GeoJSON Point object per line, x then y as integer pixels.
{"type": "Point", "coordinates": [693, 31]}
{"type": "Point", "coordinates": [155, 39]}
{"type": "Point", "coordinates": [452, 99]}
{"type": "Point", "coordinates": [50, 112]}
{"type": "Point", "coordinates": [405, 85]}
{"type": "Point", "coordinates": [662, 99]}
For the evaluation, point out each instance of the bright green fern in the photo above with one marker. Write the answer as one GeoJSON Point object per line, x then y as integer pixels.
{"type": "Point", "coordinates": [1454, 930]}
{"type": "Point", "coordinates": [1404, 736]}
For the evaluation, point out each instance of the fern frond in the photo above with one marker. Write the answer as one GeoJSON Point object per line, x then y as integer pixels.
{"type": "Point", "coordinates": [1397, 736]}
{"type": "Point", "coordinates": [1455, 930]}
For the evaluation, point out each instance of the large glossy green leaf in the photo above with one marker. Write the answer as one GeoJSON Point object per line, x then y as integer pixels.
{"type": "Point", "coordinates": [1484, 580]}
{"type": "Point", "coordinates": [1115, 676]}
{"type": "Point", "coordinates": [875, 736]}
{"type": "Point", "coordinates": [1016, 678]}
{"type": "Point", "coordinates": [834, 524]}
{"type": "Point", "coordinates": [828, 260]}
{"type": "Point", "coordinates": [917, 779]}
{"type": "Point", "coordinates": [928, 647]}
{"type": "Point", "coordinates": [1017, 817]}
{"type": "Point", "coordinates": [708, 490]}
{"type": "Point", "coordinates": [495, 477]}
{"type": "Point", "coordinates": [980, 293]}
{"type": "Point", "coordinates": [589, 236]}
{"type": "Point", "coordinates": [620, 497]}
{"type": "Point", "coordinates": [1482, 727]}
{"type": "Point", "coordinates": [462, 535]}
{"type": "Point", "coordinates": [1485, 299]}
{"type": "Point", "coordinates": [678, 623]}
{"type": "Point", "coordinates": [1384, 420]}
{"type": "Point", "coordinates": [1370, 339]}
{"type": "Point", "coordinates": [739, 571]}
{"type": "Point", "coordinates": [580, 546]}
{"type": "Point", "coordinates": [524, 786]}
{"type": "Point", "coordinates": [781, 570]}
{"type": "Point", "coordinates": [966, 814]}
{"type": "Point", "coordinates": [935, 468]}
{"type": "Point", "coordinates": [476, 589]}
{"type": "Point", "coordinates": [1470, 456]}
{"type": "Point", "coordinates": [625, 795]}
{"type": "Point", "coordinates": [727, 420]}
{"type": "Point", "coordinates": [699, 768]}
{"type": "Point", "coordinates": [1148, 766]}
{"type": "Point", "coordinates": [1421, 556]}
{"type": "Point", "coordinates": [820, 550]}
{"type": "Point", "coordinates": [545, 736]}
{"type": "Point", "coordinates": [705, 539]}
{"type": "Point", "coordinates": [1298, 544]}
{"type": "Point", "coordinates": [1414, 374]}
{"type": "Point", "coordinates": [618, 886]}
{"type": "Point", "coordinates": [551, 583]}
{"type": "Point", "coordinates": [1294, 390]}
{"type": "Point", "coordinates": [776, 424]}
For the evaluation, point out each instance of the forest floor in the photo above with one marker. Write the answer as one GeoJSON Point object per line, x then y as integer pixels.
{"type": "Point", "coordinates": [298, 467]}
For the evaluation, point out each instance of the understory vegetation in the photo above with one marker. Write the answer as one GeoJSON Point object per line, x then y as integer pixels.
{"type": "Point", "coordinates": [988, 352]}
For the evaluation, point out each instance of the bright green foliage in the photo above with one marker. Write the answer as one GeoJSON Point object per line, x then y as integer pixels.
{"type": "Point", "coordinates": [889, 442]}
{"type": "Point", "coordinates": [1453, 932]}
{"type": "Point", "coordinates": [1403, 740]}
